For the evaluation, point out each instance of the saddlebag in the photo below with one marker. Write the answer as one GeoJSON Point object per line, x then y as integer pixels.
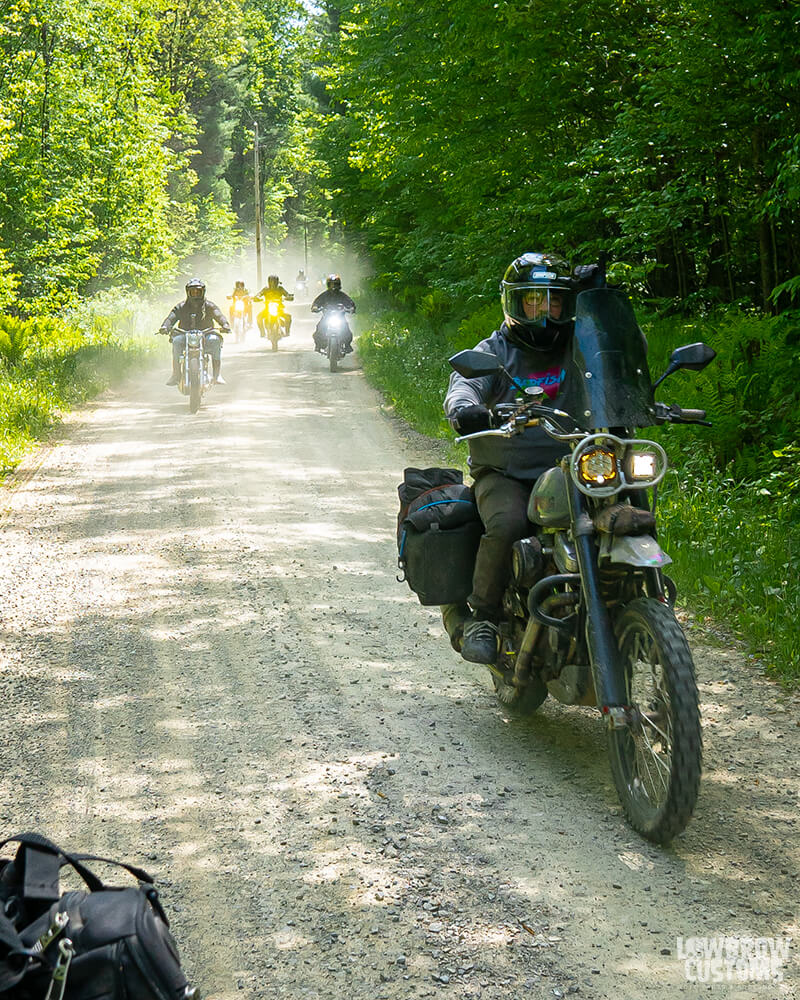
{"type": "Point", "coordinates": [438, 532]}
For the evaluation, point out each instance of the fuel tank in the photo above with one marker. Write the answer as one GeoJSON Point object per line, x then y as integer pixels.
{"type": "Point", "coordinates": [548, 504]}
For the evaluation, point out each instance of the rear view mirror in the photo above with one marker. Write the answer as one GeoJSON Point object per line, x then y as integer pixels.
{"type": "Point", "coordinates": [474, 364]}
{"type": "Point", "coordinates": [692, 356]}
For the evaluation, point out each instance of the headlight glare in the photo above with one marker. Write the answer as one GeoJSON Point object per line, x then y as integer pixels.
{"type": "Point", "coordinates": [598, 466]}
{"type": "Point", "coordinates": [642, 465]}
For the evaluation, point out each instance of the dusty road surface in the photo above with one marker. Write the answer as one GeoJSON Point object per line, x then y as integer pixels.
{"type": "Point", "coordinates": [208, 668]}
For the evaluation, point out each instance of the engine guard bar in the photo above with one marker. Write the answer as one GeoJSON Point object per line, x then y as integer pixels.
{"type": "Point", "coordinates": [539, 594]}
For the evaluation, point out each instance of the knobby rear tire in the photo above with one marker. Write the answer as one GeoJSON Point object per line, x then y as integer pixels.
{"type": "Point", "coordinates": [656, 762]}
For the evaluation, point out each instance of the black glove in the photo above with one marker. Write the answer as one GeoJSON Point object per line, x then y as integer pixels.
{"type": "Point", "coordinates": [472, 419]}
{"type": "Point", "coordinates": [588, 275]}
{"type": "Point", "coordinates": [162, 330]}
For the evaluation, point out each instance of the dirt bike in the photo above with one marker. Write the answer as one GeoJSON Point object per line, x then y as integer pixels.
{"type": "Point", "coordinates": [273, 323]}
{"type": "Point", "coordinates": [333, 326]}
{"type": "Point", "coordinates": [196, 368]}
{"type": "Point", "coordinates": [588, 613]}
{"type": "Point", "coordinates": [239, 319]}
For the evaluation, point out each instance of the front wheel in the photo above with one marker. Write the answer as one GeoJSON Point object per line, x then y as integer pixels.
{"type": "Point", "coordinates": [194, 391]}
{"type": "Point", "coordinates": [333, 353]}
{"type": "Point", "coordinates": [656, 759]}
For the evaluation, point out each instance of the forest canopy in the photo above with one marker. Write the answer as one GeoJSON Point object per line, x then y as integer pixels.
{"type": "Point", "coordinates": [438, 141]}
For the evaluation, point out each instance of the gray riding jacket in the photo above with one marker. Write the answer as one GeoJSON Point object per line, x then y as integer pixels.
{"type": "Point", "coordinates": [527, 455]}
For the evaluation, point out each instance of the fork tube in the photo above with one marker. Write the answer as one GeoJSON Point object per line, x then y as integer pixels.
{"type": "Point", "coordinates": [654, 582]}
{"type": "Point", "coordinates": [603, 652]}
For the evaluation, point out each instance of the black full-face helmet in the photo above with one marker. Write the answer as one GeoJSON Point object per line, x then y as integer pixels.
{"type": "Point", "coordinates": [334, 283]}
{"type": "Point", "coordinates": [273, 281]}
{"type": "Point", "coordinates": [538, 300]}
{"type": "Point", "coordinates": [195, 289]}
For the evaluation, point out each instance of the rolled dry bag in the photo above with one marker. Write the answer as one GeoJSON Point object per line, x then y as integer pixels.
{"type": "Point", "coordinates": [438, 532]}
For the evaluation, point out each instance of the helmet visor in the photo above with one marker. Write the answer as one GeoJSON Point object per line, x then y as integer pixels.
{"type": "Point", "coordinates": [195, 291]}
{"type": "Point", "coordinates": [536, 305]}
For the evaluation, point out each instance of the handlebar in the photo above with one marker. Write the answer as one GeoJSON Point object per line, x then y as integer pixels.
{"type": "Point", "coordinates": [521, 416]}
{"type": "Point", "coordinates": [674, 414]}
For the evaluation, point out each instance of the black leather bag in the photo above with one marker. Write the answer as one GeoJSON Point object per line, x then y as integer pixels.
{"type": "Point", "coordinates": [102, 944]}
{"type": "Point", "coordinates": [438, 532]}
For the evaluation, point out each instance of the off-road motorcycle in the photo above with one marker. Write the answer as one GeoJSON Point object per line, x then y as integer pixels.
{"type": "Point", "coordinates": [333, 327]}
{"type": "Point", "coordinates": [239, 322]}
{"type": "Point", "coordinates": [588, 614]}
{"type": "Point", "coordinates": [273, 323]}
{"type": "Point", "coordinates": [196, 367]}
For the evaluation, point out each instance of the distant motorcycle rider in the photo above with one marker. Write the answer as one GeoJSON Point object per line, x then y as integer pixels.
{"type": "Point", "coordinates": [332, 297]}
{"type": "Point", "coordinates": [538, 294]}
{"type": "Point", "coordinates": [196, 312]}
{"type": "Point", "coordinates": [274, 291]}
{"type": "Point", "coordinates": [241, 292]}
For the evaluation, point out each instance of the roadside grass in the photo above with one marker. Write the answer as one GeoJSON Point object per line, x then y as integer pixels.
{"type": "Point", "coordinates": [48, 366]}
{"type": "Point", "coordinates": [733, 530]}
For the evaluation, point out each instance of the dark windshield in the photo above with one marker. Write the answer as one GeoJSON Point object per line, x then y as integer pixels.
{"type": "Point", "coordinates": [608, 381]}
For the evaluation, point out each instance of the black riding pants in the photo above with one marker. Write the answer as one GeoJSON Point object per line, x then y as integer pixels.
{"type": "Point", "coordinates": [503, 507]}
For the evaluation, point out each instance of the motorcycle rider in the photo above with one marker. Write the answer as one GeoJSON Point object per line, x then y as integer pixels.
{"type": "Point", "coordinates": [274, 291]}
{"type": "Point", "coordinates": [538, 294]}
{"type": "Point", "coordinates": [241, 292]}
{"type": "Point", "coordinates": [196, 312]}
{"type": "Point", "coordinates": [332, 296]}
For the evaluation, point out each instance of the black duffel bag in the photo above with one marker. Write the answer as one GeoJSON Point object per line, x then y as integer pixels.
{"type": "Point", "coordinates": [104, 944]}
{"type": "Point", "coordinates": [438, 532]}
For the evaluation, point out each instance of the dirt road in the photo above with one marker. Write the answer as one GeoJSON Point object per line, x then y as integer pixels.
{"type": "Point", "coordinates": [208, 668]}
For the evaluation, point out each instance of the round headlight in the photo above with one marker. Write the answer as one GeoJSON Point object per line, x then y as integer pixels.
{"type": "Point", "coordinates": [597, 467]}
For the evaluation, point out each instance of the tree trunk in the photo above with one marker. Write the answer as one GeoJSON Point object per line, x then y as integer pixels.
{"type": "Point", "coordinates": [763, 227]}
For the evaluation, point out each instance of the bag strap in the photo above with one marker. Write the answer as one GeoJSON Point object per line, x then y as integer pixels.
{"type": "Point", "coordinates": [41, 878]}
{"type": "Point", "coordinates": [12, 972]}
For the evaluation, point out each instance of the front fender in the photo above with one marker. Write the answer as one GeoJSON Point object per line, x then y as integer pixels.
{"type": "Point", "coordinates": [633, 550]}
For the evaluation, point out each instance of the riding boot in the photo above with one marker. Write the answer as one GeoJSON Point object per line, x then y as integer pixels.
{"type": "Point", "coordinates": [175, 377]}
{"type": "Point", "coordinates": [453, 618]}
{"type": "Point", "coordinates": [217, 378]}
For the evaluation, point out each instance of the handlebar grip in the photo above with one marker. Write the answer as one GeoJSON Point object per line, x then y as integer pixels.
{"type": "Point", "coordinates": [693, 414]}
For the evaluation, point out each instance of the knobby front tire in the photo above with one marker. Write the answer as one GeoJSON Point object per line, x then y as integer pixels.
{"type": "Point", "coordinates": [656, 761]}
{"type": "Point", "coordinates": [194, 392]}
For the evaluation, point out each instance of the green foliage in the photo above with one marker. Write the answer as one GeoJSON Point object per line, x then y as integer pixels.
{"type": "Point", "coordinates": [750, 391]}
{"type": "Point", "coordinates": [408, 362]}
{"type": "Point", "coordinates": [736, 547]}
{"type": "Point", "coordinates": [665, 135]}
{"type": "Point", "coordinates": [48, 365]}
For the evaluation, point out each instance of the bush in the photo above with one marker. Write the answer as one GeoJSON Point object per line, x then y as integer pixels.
{"type": "Point", "coordinates": [47, 365]}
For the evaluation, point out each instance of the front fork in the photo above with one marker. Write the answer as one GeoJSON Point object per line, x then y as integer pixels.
{"type": "Point", "coordinates": [607, 667]}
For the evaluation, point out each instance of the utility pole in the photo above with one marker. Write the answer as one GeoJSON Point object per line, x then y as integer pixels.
{"type": "Point", "coordinates": [257, 179]}
{"type": "Point", "coordinates": [305, 244]}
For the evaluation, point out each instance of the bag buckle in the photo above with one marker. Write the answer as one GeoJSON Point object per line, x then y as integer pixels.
{"type": "Point", "coordinates": [59, 978]}
{"type": "Point", "coordinates": [60, 921]}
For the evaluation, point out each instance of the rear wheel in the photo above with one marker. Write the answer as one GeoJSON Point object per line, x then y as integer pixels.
{"type": "Point", "coordinates": [656, 759]}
